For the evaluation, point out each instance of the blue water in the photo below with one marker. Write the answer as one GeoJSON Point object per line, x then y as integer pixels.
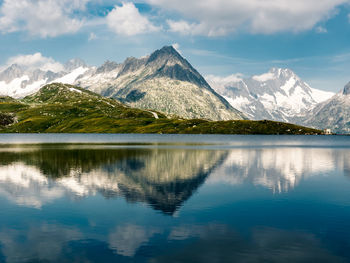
{"type": "Point", "coordinates": [165, 198]}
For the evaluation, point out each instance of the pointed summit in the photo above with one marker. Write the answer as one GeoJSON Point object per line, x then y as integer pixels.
{"type": "Point", "coordinates": [166, 52]}
{"type": "Point", "coordinates": [167, 62]}
{"type": "Point", "coordinates": [163, 81]}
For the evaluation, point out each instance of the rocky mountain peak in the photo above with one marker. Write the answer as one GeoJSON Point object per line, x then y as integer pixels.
{"type": "Point", "coordinates": [74, 64]}
{"type": "Point", "coordinates": [346, 90]}
{"type": "Point", "coordinates": [107, 67]}
{"type": "Point", "coordinates": [12, 72]}
{"type": "Point", "coordinates": [131, 64]}
{"type": "Point", "coordinates": [165, 54]}
{"type": "Point", "coordinates": [284, 73]}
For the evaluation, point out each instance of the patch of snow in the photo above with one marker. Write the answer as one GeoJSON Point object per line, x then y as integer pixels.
{"type": "Point", "coordinates": [238, 102]}
{"type": "Point", "coordinates": [72, 76]}
{"type": "Point", "coordinates": [75, 90]}
{"type": "Point", "coordinates": [11, 88]}
{"type": "Point", "coordinates": [155, 115]}
{"type": "Point", "coordinates": [268, 101]}
{"type": "Point", "coordinates": [289, 85]}
{"type": "Point", "coordinates": [321, 95]}
{"type": "Point", "coordinates": [14, 89]}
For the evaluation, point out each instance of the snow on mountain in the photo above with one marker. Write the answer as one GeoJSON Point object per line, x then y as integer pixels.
{"type": "Point", "coordinates": [71, 77]}
{"type": "Point", "coordinates": [18, 82]}
{"type": "Point", "coordinates": [163, 81]}
{"type": "Point", "coordinates": [276, 95]}
{"type": "Point", "coordinates": [333, 113]}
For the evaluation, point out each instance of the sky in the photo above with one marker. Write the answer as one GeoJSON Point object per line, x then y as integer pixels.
{"type": "Point", "coordinates": [218, 37]}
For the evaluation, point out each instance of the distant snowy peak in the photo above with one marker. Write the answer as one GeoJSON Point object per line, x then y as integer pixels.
{"type": "Point", "coordinates": [162, 81]}
{"type": "Point", "coordinates": [18, 82]}
{"type": "Point", "coordinates": [10, 73]}
{"type": "Point", "coordinates": [278, 94]}
{"type": "Point", "coordinates": [333, 113]}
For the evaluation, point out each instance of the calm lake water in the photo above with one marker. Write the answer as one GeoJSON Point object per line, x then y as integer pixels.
{"type": "Point", "coordinates": [166, 198]}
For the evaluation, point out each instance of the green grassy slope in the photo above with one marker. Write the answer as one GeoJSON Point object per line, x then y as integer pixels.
{"type": "Point", "coordinates": [59, 108]}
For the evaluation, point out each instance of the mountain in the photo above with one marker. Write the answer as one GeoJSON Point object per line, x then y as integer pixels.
{"type": "Point", "coordinates": [163, 81]}
{"type": "Point", "coordinates": [57, 108]}
{"type": "Point", "coordinates": [18, 82]}
{"type": "Point", "coordinates": [278, 95]}
{"type": "Point", "coordinates": [332, 114]}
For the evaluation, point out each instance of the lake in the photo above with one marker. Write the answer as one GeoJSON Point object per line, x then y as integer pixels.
{"type": "Point", "coordinates": [174, 198]}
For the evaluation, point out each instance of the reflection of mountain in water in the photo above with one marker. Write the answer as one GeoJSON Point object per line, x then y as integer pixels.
{"type": "Point", "coordinates": [164, 178]}
{"type": "Point", "coordinates": [280, 169]}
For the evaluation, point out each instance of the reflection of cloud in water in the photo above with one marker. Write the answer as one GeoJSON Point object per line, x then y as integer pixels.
{"type": "Point", "coordinates": [126, 239]}
{"type": "Point", "coordinates": [162, 178]}
{"type": "Point", "coordinates": [25, 185]}
{"type": "Point", "coordinates": [39, 243]}
{"type": "Point", "coordinates": [279, 169]}
{"type": "Point", "coordinates": [219, 243]}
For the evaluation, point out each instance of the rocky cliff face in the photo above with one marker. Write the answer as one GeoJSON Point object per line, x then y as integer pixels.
{"type": "Point", "coordinates": [332, 114]}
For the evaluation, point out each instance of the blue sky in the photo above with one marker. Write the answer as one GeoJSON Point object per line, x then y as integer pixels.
{"type": "Point", "coordinates": [218, 37]}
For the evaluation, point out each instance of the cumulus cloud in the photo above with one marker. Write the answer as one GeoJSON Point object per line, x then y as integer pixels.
{"type": "Point", "coordinates": [127, 20]}
{"type": "Point", "coordinates": [41, 17]}
{"type": "Point", "coordinates": [36, 61]}
{"type": "Point", "coordinates": [221, 17]}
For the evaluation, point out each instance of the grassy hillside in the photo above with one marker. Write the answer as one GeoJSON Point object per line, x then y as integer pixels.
{"type": "Point", "coordinates": [59, 108]}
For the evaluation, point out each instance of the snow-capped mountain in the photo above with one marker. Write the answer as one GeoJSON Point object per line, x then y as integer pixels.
{"type": "Point", "coordinates": [333, 114]}
{"type": "Point", "coordinates": [163, 81]}
{"type": "Point", "coordinates": [277, 95]}
{"type": "Point", "coordinates": [18, 82]}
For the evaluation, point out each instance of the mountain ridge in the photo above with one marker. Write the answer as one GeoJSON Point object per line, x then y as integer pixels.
{"type": "Point", "coordinates": [62, 108]}
{"type": "Point", "coordinates": [278, 95]}
{"type": "Point", "coordinates": [163, 81]}
{"type": "Point", "coordinates": [333, 114]}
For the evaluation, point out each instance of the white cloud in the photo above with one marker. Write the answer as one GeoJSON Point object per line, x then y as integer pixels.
{"type": "Point", "coordinates": [126, 239]}
{"type": "Point", "coordinates": [221, 17]}
{"type": "Point", "coordinates": [127, 20]}
{"type": "Point", "coordinates": [36, 61]}
{"type": "Point", "coordinates": [41, 17]}
{"type": "Point", "coordinates": [185, 28]}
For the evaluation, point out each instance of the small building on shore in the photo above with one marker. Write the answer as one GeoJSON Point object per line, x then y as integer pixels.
{"type": "Point", "coordinates": [327, 131]}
